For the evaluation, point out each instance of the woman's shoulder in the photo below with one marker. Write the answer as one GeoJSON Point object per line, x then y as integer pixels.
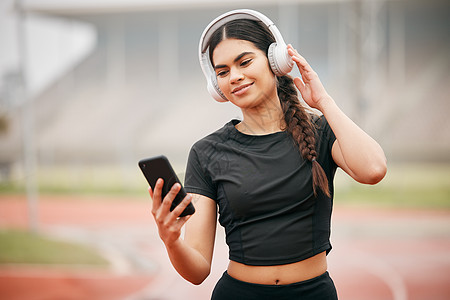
{"type": "Point", "coordinates": [319, 121]}
{"type": "Point", "coordinates": [315, 118]}
{"type": "Point", "coordinates": [219, 136]}
{"type": "Point", "coordinates": [323, 130]}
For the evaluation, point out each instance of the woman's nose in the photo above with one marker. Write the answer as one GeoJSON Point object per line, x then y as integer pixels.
{"type": "Point", "coordinates": [236, 76]}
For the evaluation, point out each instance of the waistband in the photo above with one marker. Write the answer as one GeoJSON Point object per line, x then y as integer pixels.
{"type": "Point", "coordinates": [319, 278]}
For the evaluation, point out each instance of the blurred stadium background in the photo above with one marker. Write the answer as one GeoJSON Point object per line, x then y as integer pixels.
{"type": "Point", "coordinates": [87, 88]}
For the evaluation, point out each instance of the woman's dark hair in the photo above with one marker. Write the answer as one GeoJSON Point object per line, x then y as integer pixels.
{"type": "Point", "coordinates": [297, 120]}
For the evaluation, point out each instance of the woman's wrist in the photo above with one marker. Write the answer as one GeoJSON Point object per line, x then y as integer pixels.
{"type": "Point", "coordinates": [173, 244]}
{"type": "Point", "coordinates": [325, 104]}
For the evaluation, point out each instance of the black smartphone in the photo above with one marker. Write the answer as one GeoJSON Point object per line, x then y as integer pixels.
{"type": "Point", "coordinates": [159, 167]}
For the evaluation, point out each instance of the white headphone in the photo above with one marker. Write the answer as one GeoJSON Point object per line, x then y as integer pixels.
{"type": "Point", "coordinates": [279, 59]}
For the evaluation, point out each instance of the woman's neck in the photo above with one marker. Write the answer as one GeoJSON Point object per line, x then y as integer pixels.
{"type": "Point", "coordinates": [259, 121]}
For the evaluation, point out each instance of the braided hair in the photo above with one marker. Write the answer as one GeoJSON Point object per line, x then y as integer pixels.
{"type": "Point", "coordinates": [300, 127]}
{"type": "Point", "coordinates": [297, 121]}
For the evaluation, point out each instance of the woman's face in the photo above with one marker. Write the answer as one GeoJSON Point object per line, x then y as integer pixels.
{"type": "Point", "coordinates": [243, 73]}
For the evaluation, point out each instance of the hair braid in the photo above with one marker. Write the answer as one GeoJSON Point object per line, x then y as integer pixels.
{"type": "Point", "coordinates": [299, 125]}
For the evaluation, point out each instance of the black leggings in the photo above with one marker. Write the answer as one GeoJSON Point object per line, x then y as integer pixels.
{"type": "Point", "coordinates": [318, 288]}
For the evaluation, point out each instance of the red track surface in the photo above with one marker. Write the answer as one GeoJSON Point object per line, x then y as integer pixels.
{"type": "Point", "coordinates": [378, 254]}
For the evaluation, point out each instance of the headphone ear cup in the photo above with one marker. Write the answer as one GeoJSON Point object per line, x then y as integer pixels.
{"type": "Point", "coordinates": [214, 90]}
{"type": "Point", "coordinates": [280, 60]}
{"type": "Point", "coordinates": [271, 58]}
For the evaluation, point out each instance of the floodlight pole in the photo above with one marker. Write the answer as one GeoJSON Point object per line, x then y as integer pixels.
{"type": "Point", "coordinates": [27, 103]}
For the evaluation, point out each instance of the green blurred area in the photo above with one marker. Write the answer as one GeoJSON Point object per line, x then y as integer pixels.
{"type": "Point", "coordinates": [80, 180]}
{"type": "Point", "coordinates": [405, 185]}
{"type": "Point", "coordinates": [20, 247]}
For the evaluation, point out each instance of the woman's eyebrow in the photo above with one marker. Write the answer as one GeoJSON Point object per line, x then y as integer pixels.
{"type": "Point", "coordinates": [235, 60]}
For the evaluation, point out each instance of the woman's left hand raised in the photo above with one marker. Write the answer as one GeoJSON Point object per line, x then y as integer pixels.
{"type": "Point", "coordinates": [309, 85]}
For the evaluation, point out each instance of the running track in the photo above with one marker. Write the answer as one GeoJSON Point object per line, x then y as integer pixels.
{"type": "Point", "coordinates": [378, 254]}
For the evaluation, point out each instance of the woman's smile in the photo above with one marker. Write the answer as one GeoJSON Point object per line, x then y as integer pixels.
{"type": "Point", "coordinates": [240, 90]}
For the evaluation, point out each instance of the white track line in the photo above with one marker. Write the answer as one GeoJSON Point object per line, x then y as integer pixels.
{"type": "Point", "coordinates": [383, 270]}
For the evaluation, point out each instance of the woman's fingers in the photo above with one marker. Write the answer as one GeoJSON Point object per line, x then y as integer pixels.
{"type": "Point", "coordinates": [181, 221]}
{"type": "Point", "coordinates": [156, 195]}
{"type": "Point", "coordinates": [169, 223]}
{"type": "Point", "coordinates": [168, 199]}
{"type": "Point", "coordinates": [301, 62]}
{"type": "Point", "coordinates": [150, 191]}
{"type": "Point", "coordinates": [161, 208]}
{"type": "Point", "coordinates": [180, 207]}
{"type": "Point", "coordinates": [295, 55]}
{"type": "Point", "coordinates": [299, 84]}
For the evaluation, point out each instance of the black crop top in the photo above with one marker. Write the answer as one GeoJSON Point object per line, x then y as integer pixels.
{"type": "Point", "coordinates": [263, 188]}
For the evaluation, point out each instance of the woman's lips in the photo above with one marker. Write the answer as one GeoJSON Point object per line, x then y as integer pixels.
{"type": "Point", "coordinates": [241, 89]}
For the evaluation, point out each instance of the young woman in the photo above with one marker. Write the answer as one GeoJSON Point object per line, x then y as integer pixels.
{"type": "Point", "coordinates": [269, 176]}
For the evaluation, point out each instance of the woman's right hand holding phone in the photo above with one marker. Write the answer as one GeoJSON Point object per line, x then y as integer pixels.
{"type": "Point", "coordinates": [169, 223]}
{"type": "Point", "coordinates": [191, 255]}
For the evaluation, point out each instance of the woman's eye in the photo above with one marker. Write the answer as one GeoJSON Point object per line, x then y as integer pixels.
{"type": "Point", "coordinates": [221, 73]}
{"type": "Point", "coordinates": [246, 62]}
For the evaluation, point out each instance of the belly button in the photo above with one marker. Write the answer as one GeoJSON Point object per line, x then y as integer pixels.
{"type": "Point", "coordinates": [277, 281]}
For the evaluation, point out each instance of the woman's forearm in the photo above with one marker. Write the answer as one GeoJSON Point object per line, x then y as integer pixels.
{"type": "Point", "coordinates": [362, 155]}
{"type": "Point", "coordinates": [188, 262]}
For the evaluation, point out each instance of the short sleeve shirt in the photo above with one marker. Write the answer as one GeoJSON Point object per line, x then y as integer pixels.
{"type": "Point", "coordinates": [263, 188]}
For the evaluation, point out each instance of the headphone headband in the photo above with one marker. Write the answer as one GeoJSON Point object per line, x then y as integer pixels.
{"type": "Point", "coordinates": [235, 15]}
{"type": "Point", "coordinates": [281, 63]}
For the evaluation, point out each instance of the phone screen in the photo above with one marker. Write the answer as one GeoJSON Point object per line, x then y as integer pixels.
{"type": "Point", "coordinates": [159, 167]}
